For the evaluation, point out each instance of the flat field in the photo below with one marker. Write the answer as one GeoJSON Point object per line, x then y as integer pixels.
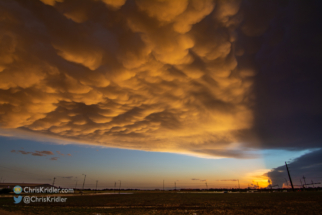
{"type": "Point", "coordinates": [175, 203]}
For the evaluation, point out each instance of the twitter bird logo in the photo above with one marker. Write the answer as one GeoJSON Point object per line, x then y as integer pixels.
{"type": "Point", "coordinates": [17, 199]}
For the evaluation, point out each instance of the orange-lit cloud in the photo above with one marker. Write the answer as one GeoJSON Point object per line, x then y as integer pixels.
{"type": "Point", "coordinates": [146, 75]}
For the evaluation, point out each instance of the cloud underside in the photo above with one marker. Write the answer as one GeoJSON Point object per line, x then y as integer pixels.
{"type": "Point", "coordinates": [146, 75]}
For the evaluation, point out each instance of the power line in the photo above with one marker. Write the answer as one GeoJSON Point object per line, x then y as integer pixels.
{"type": "Point", "coordinates": [304, 181]}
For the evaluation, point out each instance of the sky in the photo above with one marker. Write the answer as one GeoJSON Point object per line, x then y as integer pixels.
{"type": "Point", "coordinates": [189, 92]}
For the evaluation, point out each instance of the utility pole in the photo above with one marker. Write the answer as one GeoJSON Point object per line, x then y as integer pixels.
{"type": "Point", "coordinates": [286, 181]}
{"type": "Point", "coordinates": [289, 176]}
{"type": "Point", "coordinates": [269, 183]}
{"type": "Point", "coordinates": [206, 186]}
{"type": "Point", "coordinates": [304, 181]}
{"type": "Point", "coordinates": [96, 187]}
{"type": "Point", "coordinates": [302, 185]}
{"type": "Point", "coordinates": [120, 187]}
{"type": "Point", "coordinates": [83, 183]}
{"type": "Point", "coordinates": [76, 185]}
{"type": "Point", "coordinates": [54, 181]}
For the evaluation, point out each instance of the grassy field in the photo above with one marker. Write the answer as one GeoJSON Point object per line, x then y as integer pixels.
{"type": "Point", "coordinates": [175, 203]}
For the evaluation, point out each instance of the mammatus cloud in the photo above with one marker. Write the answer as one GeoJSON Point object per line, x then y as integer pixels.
{"type": "Point", "coordinates": [308, 165]}
{"type": "Point", "coordinates": [131, 76]}
{"type": "Point", "coordinates": [168, 76]}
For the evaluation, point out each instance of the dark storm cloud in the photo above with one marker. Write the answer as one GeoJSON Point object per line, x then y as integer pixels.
{"type": "Point", "coordinates": [308, 165]}
{"type": "Point", "coordinates": [288, 110]}
{"type": "Point", "coordinates": [206, 78]}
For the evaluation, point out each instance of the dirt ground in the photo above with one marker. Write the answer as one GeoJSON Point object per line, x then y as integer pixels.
{"type": "Point", "coordinates": [175, 203]}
